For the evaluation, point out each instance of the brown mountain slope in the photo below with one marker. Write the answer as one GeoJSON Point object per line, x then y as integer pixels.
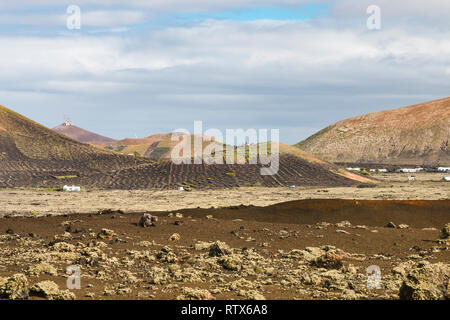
{"type": "Point", "coordinates": [24, 139]}
{"type": "Point", "coordinates": [30, 151]}
{"type": "Point", "coordinates": [418, 134]}
{"type": "Point", "coordinates": [34, 156]}
{"type": "Point", "coordinates": [80, 134]}
{"type": "Point", "coordinates": [297, 152]}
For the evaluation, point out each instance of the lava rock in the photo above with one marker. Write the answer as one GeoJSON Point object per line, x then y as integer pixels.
{"type": "Point", "coordinates": [219, 249]}
{"type": "Point", "coordinates": [147, 220]}
{"type": "Point", "coordinates": [14, 288]}
{"type": "Point", "coordinates": [427, 282]}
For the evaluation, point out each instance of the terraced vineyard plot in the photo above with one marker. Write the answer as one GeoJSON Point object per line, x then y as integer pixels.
{"type": "Point", "coordinates": [34, 156]}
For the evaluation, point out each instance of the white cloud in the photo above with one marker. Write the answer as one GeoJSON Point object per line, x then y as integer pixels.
{"type": "Point", "coordinates": [93, 18]}
{"type": "Point", "coordinates": [31, 19]}
{"type": "Point", "coordinates": [296, 76]}
{"type": "Point", "coordinates": [176, 5]}
{"type": "Point", "coordinates": [418, 8]}
{"type": "Point", "coordinates": [111, 18]}
{"type": "Point", "coordinates": [390, 9]}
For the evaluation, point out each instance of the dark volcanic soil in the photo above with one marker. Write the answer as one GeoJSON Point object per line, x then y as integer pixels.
{"type": "Point", "coordinates": [110, 171]}
{"type": "Point", "coordinates": [272, 253]}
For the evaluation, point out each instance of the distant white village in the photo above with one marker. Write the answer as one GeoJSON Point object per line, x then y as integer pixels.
{"type": "Point", "coordinates": [404, 170]}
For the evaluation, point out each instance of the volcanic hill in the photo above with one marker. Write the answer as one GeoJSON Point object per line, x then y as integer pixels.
{"type": "Point", "coordinates": [79, 134]}
{"type": "Point", "coordinates": [34, 156]}
{"type": "Point", "coordinates": [413, 135]}
{"type": "Point", "coordinates": [157, 146]}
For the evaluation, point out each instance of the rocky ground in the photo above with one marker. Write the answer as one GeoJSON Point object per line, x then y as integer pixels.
{"type": "Point", "coordinates": [208, 254]}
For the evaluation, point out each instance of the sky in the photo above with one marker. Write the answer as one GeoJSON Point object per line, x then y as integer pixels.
{"type": "Point", "coordinates": [136, 68]}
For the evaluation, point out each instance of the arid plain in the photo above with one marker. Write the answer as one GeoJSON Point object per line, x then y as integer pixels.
{"type": "Point", "coordinates": [392, 186]}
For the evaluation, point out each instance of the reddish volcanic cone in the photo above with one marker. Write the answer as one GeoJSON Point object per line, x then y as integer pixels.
{"type": "Point", "coordinates": [79, 134]}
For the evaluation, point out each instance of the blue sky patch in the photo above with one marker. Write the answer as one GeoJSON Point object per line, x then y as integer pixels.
{"type": "Point", "coordinates": [261, 13]}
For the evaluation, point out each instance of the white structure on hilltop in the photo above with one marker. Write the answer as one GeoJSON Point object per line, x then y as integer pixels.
{"type": "Point", "coordinates": [67, 121]}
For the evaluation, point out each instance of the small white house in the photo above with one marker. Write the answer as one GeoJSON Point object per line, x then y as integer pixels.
{"type": "Point", "coordinates": [446, 179]}
{"type": "Point", "coordinates": [378, 170]}
{"type": "Point", "coordinates": [354, 169]}
{"type": "Point", "coordinates": [443, 169]}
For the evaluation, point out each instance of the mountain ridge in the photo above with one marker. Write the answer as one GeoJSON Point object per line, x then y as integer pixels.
{"type": "Point", "coordinates": [417, 135]}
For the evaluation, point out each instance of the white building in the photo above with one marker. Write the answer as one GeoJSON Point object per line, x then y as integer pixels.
{"type": "Point", "coordinates": [443, 169]}
{"type": "Point", "coordinates": [407, 170]}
